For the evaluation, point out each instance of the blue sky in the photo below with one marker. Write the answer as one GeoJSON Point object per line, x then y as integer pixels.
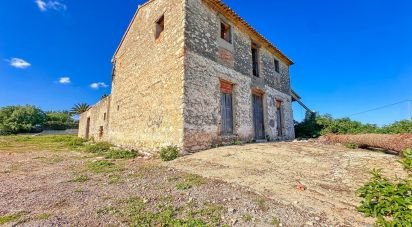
{"type": "Point", "coordinates": [349, 56]}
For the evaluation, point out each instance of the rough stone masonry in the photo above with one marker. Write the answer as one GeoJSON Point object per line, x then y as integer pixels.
{"type": "Point", "coordinates": [193, 74]}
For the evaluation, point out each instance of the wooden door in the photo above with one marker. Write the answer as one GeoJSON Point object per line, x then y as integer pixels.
{"type": "Point", "coordinates": [258, 119]}
{"type": "Point", "coordinates": [227, 113]}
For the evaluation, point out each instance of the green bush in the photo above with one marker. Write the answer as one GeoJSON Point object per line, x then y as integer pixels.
{"type": "Point", "coordinates": [407, 159]}
{"type": "Point", "coordinates": [315, 125]}
{"type": "Point", "coordinates": [60, 121]}
{"type": "Point", "coordinates": [169, 153]}
{"type": "Point", "coordinates": [101, 147]}
{"type": "Point", "coordinates": [21, 119]}
{"type": "Point", "coordinates": [389, 202]}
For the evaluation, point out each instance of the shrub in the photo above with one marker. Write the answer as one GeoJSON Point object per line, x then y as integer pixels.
{"type": "Point", "coordinates": [407, 159]}
{"type": "Point", "coordinates": [101, 147]}
{"type": "Point", "coordinates": [389, 202]}
{"type": "Point", "coordinates": [169, 153]}
{"type": "Point", "coordinates": [315, 125]}
{"type": "Point", "coordinates": [21, 119]}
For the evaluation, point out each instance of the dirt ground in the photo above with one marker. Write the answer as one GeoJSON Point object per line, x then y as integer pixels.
{"type": "Point", "coordinates": [280, 171]}
{"type": "Point", "coordinates": [47, 184]}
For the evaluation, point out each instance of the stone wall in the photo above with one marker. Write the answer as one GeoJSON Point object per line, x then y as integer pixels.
{"type": "Point", "coordinates": [209, 60]}
{"type": "Point", "coordinates": [146, 108]}
{"type": "Point", "coordinates": [166, 91]}
{"type": "Point", "coordinates": [99, 119]}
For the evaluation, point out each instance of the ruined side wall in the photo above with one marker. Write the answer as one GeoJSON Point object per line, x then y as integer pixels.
{"type": "Point", "coordinates": [147, 89]}
{"type": "Point", "coordinates": [97, 120]}
{"type": "Point", "coordinates": [209, 60]}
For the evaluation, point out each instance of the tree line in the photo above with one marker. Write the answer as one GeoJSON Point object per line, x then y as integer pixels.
{"type": "Point", "coordinates": [315, 125]}
{"type": "Point", "coordinates": [31, 119]}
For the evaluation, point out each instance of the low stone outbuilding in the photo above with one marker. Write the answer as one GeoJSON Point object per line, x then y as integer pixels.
{"type": "Point", "coordinates": [192, 73]}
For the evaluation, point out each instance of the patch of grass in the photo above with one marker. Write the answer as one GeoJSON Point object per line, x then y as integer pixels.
{"type": "Point", "coordinates": [111, 210]}
{"type": "Point", "coordinates": [46, 142]}
{"type": "Point", "coordinates": [120, 154]}
{"type": "Point", "coordinates": [389, 202]}
{"type": "Point", "coordinates": [189, 182]}
{"type": "Point", "coordinates": [261, 203]}
{"type": "Point", "coordinates": [10, 218]}
{"type": "Point", "coordinates": [247, 217]}
{"type": "Point", "coordinates": [115, 179]}
{"type": "Point", "coordinates": [165, 215]}
{"type": "Point", "coordinates": [213, 213]}
{"type": "Point", "coordinates": [80, 179]}
{"type": "Point", "coordinates": [275, 221]}
{"type": "Point", "coordinates": [237, 142]}
{"type": "Point", "coordinates": [43, 216]}
{"type": "Point", "coordinates": [98, 148]}
{"type": "Point", "coordinates": [169, 153]}
{"type": "Point", "coordinates": [351, 145]}
{"type": "Point", "coordinates": [102, 166]}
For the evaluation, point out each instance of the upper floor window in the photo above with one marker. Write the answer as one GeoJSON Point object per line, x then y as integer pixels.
{"type": "Point", "coordinates": [255, 60]}
{"type": "Point", "coordinates": [226, 32]}
{"type": "Point", "coordinates": [277, 68]}
{"type": "Point", "coordinates": [160, 27]}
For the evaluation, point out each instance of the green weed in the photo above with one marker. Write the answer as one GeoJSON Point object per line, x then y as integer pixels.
{"type": "Point", "coordinates": [80, 179]}
{"type": "Point", "coordinates": [247, 217]}
{"type": "Point", "coordinates": [275, 221]}
{"type": "Point", "coordinates": [389, 202]}
{"type": "Point", "coordinates": [169, 153]}
{"type": "Point", "coordinates": [407, 159]}
{"type": "Point", "coordinates": [351, 145]}
{"type": "Point", "coordinates": [10, 218]}
{"type": "Point", "coordinates": [120, 154]}
{"type": "Point", "coordinates": [98, 148]}
{"type": "Point", "coordinates": [44, 216]}
{"type": "Point", "coordinates": [102, 167]}
{"type": "Point", "coordinates": [189, 182]}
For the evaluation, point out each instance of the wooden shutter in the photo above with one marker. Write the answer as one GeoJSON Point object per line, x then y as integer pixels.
{"type": "Point", "coordinates": [227, 113]}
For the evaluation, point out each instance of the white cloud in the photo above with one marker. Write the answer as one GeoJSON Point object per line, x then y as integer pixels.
{"type": "Point", "coordinates": [44, 5]}
{"type": "Point", "coordinates": [65, 80]}
{"type": "Point", "coordinates": [19, 63]}
{"type": "Point", "coordinates": [98, 85]}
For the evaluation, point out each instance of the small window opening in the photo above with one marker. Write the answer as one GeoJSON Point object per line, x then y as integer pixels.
{"type": "Point", "coordinates": [160, 27]}
{"type": "Point", "coordinates": [226, 32]}
{"type": "Point", "coordinates": [255, 60]}
{"type": "Point", "coordinates": [118, 108]}
{"type": "Point", "coordinates": [104, 116]}
{"type": "Point", "coordinates": [277, 69]}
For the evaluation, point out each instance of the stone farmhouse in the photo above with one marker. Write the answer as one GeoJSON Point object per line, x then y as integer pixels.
{"type": "Point", "coordinates": [194, 74]}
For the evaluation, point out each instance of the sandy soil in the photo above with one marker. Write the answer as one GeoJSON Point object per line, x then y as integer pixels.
{"type": "Point", "coordinates": [330, 174]}
{"type": "Point", "coordinates": [39, 186]}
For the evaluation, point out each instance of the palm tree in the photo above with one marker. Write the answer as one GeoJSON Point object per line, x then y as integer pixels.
{"type": "Point", "coordinates": [80, 108]}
